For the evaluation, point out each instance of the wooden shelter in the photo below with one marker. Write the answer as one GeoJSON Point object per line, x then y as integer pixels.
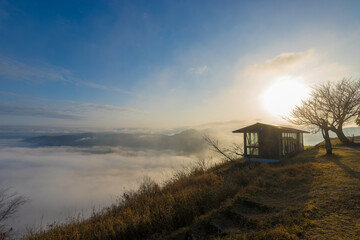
{"type": "Point", "coordinates": [271, 142]}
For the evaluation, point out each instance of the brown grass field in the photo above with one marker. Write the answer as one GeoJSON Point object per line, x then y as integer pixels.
{"type": "Point", "coordinates": [309, 196]}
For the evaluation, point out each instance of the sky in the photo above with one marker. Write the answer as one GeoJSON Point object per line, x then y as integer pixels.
{"type": "Point", "coordinates": [166, 64]}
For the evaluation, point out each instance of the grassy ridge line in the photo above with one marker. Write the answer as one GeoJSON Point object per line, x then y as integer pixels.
{"type": "Point", "coordinates": [337, 142]}
{"type": "Point", "coordinates": [310, 196]}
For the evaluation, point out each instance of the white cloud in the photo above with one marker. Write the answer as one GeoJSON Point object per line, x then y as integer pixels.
{"type": "Point", "coordinates": [283, 63]}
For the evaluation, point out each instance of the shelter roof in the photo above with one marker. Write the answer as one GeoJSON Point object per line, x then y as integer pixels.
{"type": "Point", "coordinates": [261, 126]}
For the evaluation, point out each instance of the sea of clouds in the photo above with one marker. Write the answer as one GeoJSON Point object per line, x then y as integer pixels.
{"type": "Point", "coordinates": [62, 182]}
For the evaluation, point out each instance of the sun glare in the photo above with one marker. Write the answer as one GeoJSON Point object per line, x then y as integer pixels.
{"type": "Point", "coordinates": [281, 97]}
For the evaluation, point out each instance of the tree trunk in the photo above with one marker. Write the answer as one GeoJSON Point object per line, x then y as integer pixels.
{"type": "Point", "coordinates": [340, 134]}
{"type": "Point", "coordinates": [325, 133]}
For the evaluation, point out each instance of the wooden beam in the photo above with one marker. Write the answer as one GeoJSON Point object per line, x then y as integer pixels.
{"type": "Point", "coordinates": [245, 150]}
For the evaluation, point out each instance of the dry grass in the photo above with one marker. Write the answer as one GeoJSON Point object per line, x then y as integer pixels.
{"type": "Point", "coordinates": [310, 196]}
{"type": "Point", "coordinates": [337, 142]}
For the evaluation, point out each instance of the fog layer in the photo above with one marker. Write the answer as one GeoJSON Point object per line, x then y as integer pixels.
{"type": "Point", "coordinates": [63, 181]}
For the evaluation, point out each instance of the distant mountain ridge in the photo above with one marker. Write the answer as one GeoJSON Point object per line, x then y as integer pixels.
{"type": "Point", "coordinates": [188, 141]}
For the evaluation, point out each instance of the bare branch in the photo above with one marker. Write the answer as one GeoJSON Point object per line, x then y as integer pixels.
{"type": "Point", "coordinates": [230, 154]}
{"type": "Point", "coordinates": [331, 105]}
{"type": "Point", "coordinates": [9, 204]}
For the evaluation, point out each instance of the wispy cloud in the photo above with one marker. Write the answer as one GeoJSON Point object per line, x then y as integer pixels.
{"type": "Point", "coordinates": [16, 70]}
{"type": "Point", "coordinates": [7, 11]}
{"type": "Point", "coordinates": [57, 109]}
{"type": "Point", "coordinates": [12, 110]}
{"type": "Point", "coordinates": [84, 106]}
{"type": "Point", "coordinates": [312, 66]}
{"type": "Point", "coordinates": [283, 62]}
{"type": "Point", "coordinates": [112, 108]}
{"type": "Point", "coordinates": [198, 70]}
{"type": "Point", "coordinates": [102, 87]}
{"type": "Point", "coordinates": [21, 71]}
{"type": "Point", "coordinates": [8, 93]}
{"type": "Point", "coordinates": [4, 14]}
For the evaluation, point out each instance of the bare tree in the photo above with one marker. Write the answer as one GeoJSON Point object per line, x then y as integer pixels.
{"type": "Point", "coordinates": [9, 204]}
{"type": "Point", "coordinates": [231, 154]}
{"type": "Point", "coordinates": [341, 100]}
{"type": "Point", "coordinates": [310, 113]}
{"type": "Point", "coordinates": [358, 120]}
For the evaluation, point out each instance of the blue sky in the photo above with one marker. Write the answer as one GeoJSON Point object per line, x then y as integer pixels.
{"type": "Point", "coordinates": [165, 63]}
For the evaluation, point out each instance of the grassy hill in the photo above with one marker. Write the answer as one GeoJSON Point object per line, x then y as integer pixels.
{"type": "Point", "coordinates": [310, 196]}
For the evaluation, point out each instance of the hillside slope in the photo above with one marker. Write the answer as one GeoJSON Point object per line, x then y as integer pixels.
{"type": "Point", "coordinates": [310, 196]}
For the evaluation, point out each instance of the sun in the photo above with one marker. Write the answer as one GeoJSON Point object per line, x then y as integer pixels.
{"type": "Point", "coordinates": [282, 96]}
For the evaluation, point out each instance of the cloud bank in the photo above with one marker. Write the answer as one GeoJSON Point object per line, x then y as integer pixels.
{"type": "Point", "coordinates": [63, 181]}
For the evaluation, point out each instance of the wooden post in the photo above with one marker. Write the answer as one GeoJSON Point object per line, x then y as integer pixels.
{"type": "Point", "coordinates": [302, 141]}
{"type": "Point", "coordinates": [280, 145]}
{"type": "Point", "coordinates": [245, 150]}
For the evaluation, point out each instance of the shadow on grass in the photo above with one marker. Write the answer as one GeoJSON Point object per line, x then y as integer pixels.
{"type": "Point", "coordinates": [336, 159]}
